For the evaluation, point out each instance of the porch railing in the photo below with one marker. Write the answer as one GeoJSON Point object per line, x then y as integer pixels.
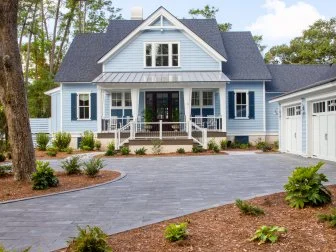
{"type": "Point", "coordinates": [198, 134]}
{"type": "Point", "coordinates": [211, 123]}
{"type": "Point", "coordinates": [113, 123]}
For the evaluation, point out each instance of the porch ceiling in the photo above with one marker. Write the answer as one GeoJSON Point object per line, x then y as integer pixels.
{"type": "Point", "coordinates": [160, 77]}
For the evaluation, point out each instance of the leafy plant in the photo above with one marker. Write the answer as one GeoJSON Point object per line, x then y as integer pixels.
{"type": "Point", "coordinates": [110, 149]}
{"type": "Point", "coordinates": [180, 151]}
{"type": "Point", "coordinates": [244, 146]}
{"type": "Point", "coordinates": [5, 169]}
{"type": "Point", "coordinates": [69, 150]}
{"type": "Point", "coordinates": [72, 165]}
{"type": "Point", "coordinates": [267, 148]}
{"type": "Point", "coordinates": [125, 151]}
{"type": "Point", "coordinates": [224, 144]}
{"type": "Point", "coordinates": [44, 176]}
{"type": "Point", "coordinates": [305, 187]}
{"type": "Point", "coordinates": [61, 141]}
{"type": "Point", "coordinates": [157, 148]}
{"type": "Point", "coordinates": [260, 144]}
{"type": "Point", "coordinates": [89, 239]}
{"type": "Point", "coordinates": [87, 142]}
{"type": "Point", "coordinates": [2, 249]}
{"type": "Point", "coordinates": [248, 209]}
{"type": "Point", "coordinates": [197, 149]}
{"type": "Point", "coordinates": [148, 115]}
{"type": "Point", "coordinates": [42, 140]}
{"type": "Point", "coordinates": [215, 148]}
{"type": "Point", "coordinates": [330, 218]}
{"type": "Point", "coordinates": [97, 145]}
{"type": "Point", "coordinates": [176, 232]}
{"type": "Point", "coordinates": [2, 157]}
{"type": "Point", "coordinates": [176, 115]}
{"type": "Point", "coordinates": [268, 234]}
{"type": "Point", "coordinates": [141, 151]}
{"type": "Point", "coordinates": [211, 144]}
{"type": "Point", "coordinates": [276, 145]}
{"type": "Point", "coordinates": [93, 166]}
{"type": "Point", "coordinates": [52, 151]}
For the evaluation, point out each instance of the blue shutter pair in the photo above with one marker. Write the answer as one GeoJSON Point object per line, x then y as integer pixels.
{"type": "Point", "coordinates": [232, 105]}
{"type": "Point", "coordinates": [93, 105]}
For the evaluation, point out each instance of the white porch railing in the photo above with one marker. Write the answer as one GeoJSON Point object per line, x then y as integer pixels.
{"type": "Point", "coordinates": [211, 122]}
{"type": "Point", "coordinates": [198, 134]}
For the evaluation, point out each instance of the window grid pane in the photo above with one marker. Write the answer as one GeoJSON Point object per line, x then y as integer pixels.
{"type": "Point", "coordinates": [241, 105]}
{"type": "Point", "coordinates": [84, 106]}
{"type": "Point", "coordinates": [128, 100]}
{"type": "Point", "coordinates": [195, 99]}
{"type": "Point", "coordinates": [207, 98]}
{"type": "Point", "coordinates": [116, 99]}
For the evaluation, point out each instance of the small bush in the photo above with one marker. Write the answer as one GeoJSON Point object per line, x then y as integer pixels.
{"type": "Point", "coordinates": [305, 187]}
{"type": "Point", "coordinates": [157, 148]}
{"type": "Point", "coordinates": [110, 149]}
{"type": "Point", "coordinates": [267, 148]}
{"type": "Point", "coordinates": [5, 169]}
{"type": "Point", "coordinates": [89, 239]}
{"type": "Point", "coordinates": [52, 151]}
{"type": "Point", "coordinates": [224, 144]}
{"type": "Point", "coordinates": [330, 218]}
{"type": "Point", "coordinates": [69, 150]}
{"type": "Point", "coordinates": [2, 249]}
{"type": "Point", "coordinates": [216, 149]}
{"type": "Point", "coordinates": [180, 151]}
{"type": "Point", "coordinates": [44, 176]}
{"type": "Point", "coordinates": [268, 234]}
{"type": "Point", "coordinates": [2, 157]}
{"type": "Point", "coordinates": [244, 146]}
{"type": "Point", "coordinates": [260, 144]}
{"type": "Point", "coordinates": [276, 145]}
{"type": "Point", "coordinates": [211, 144]}
{"type": "Point", "coordinates": [42, 140]}
{"type": "Point", "coordinates": [197, 149]}
{"type": "Point", "coordinates": [141, 151]}
{"type": "Point", "coordinates": [97, 145]}
{"type": "Point", "coordinates": [125, 151]}
{"type": "Point", "coordinates": [248, 209]}
{"type": "Point", "coordinates": [61, 141]}
{"type": "Point", "coordinates": [176, 232]}
{"type": "Point", "coordinates": [72, 165]}
{"type": "Point", "coordinates": [87, 143]}
{"type": "Point", "coordinates": [93, 166]}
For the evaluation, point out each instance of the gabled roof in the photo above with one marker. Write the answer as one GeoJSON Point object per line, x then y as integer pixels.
{"type": "Point", "coordinates": [245, 62]}
{"type": "Point", "coordinates": [287, 78]}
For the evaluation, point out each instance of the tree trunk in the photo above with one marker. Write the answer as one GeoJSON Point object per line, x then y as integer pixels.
{"type": "Point", "coordinates": [52, 54]}
{"type": "Point", "coordinates": [13, 93]}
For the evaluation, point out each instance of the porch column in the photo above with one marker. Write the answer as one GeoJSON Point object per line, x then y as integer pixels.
{"type": "Point", "coordinates": [187, 103]}
{"type": "Point", "coordinates": [99, 109]}
{"type": "Point", "coordinates": [135, 92]}
{"type": "Point", "coordinates": [222, 99]}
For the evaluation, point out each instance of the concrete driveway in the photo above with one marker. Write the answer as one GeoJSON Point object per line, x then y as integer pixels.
{"type": "Point", "coordinates": [153, 190]}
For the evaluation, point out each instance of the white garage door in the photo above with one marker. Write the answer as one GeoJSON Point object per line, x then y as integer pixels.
{"type": "Point", "coordinates": [293, 130]}
{"type": "Point", "coordinates": [324, 129]}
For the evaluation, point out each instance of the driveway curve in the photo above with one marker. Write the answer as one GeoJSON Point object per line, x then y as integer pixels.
{"type": "Point", "coordinates": [154, 189]}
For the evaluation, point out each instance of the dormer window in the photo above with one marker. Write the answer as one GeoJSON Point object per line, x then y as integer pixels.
{"type": "Point", "coordinates": [162, 54]}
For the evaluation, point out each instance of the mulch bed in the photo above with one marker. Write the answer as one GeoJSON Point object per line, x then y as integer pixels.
{"type": "Point", "coordinates": [41, 155]}
{"type": "Point", "coordinates": [226, 229]}
{"type": "Point", "coordinates": [10, 189]}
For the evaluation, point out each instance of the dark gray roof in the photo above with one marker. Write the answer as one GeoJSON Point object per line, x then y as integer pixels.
{"type": "Point", "coordinates": [245, 62]}
{"type": "Point", "coordinates": [286, 78]}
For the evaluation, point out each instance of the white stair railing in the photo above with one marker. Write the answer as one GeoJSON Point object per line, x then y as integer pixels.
{"type": "Point", "coordinates": [124, 134]}
{"type": "Point", "coordinates": [198, 134]}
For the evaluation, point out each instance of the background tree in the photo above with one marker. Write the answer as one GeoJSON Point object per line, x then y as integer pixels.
{"type": "Point", "coordinates": [258, 39]}
{"type": "Point", "coordinates": [317, 45]}
{"type": "Point", "coordinates": [13, 93]}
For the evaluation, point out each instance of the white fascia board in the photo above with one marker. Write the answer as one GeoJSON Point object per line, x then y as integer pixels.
{"type": "Point", "coordinates": [52, 91]}
{"type": "Point", "coordinates": [161, 12]}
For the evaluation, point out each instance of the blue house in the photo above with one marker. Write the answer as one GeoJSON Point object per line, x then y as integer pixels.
{"type": "Point", "coordinates": [179, 80]}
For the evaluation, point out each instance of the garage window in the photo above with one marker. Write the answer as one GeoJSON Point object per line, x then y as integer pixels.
{"type": "Point", "coordinates": [319, 107]}
{"type": "Point", "coordinates": [291, 111]}
{"type": "Point", "coordinates": [331, 105]}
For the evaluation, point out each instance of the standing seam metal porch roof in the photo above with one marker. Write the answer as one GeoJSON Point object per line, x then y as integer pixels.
{"type": "Point", "coordinates": [160, 77]}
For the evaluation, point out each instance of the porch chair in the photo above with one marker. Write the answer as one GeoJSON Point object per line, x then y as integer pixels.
{"type": "Point", "coordinates": [199, 120]}
{"type": "Point", "coordinates": [211, 122]}
{"type": "Point", "coordinates": [114, 123]}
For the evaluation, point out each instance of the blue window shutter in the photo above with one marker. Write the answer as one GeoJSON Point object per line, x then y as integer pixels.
{"type": "Point", "coordinates": [73, 106]}
{"type": "Point", "coordinates": [93, 106]}
{"type": "Point", "coordinates": [231, 105]}
{"type": "Point", "coordinates": [251, 105]}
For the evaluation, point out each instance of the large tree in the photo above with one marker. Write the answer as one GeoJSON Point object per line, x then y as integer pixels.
{"type": "Point", "coordinates": [317, 45]}
{"type": "Point", "coordinates": [13, 93]}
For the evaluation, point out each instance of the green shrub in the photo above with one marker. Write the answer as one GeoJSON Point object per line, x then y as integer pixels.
{"type": "Point", "coordinates": [93, 166]}
{"type": "Point", "coordinates": [72, 165]}
{"type": "Point", "coordinates": [61, 141]}
{"type": "Point", "coordinates": [244, 146]}
{"type": "Point", "coordinates": [260, 144]}
{"type": "Point", "coordinates": [2, 157]}
{"type": "Point", "coordinates": [97, 145]}
{"type": "Point", "coordinates": [87, 142]}
{"type": "Point", "coordinates": [86, 148]}
{"type": "Point", "coordinates": [197, 149]}
{"type": "Point", "coordinates": [69, 150]}
{"type": "Point", "coordinates": [2, 249]}
{"type": "Point", "coordinates": [89, 239]}
{"type": "Point", "coordinates": [216, 148]}
{"type": "Point", "coordinates": [268, 234]}
{"type": "Point", "coordinates": [176, 232]}
{"type": "Point", "coordinates": [125, 151]}
{"type": "Point", "coordinates": [157, 148]}
{"type": "Point", "coordinates": [211, 144]}
{"type": "Point", "coordinates": [44, 176]}
{"type": "Point", "coordinates": [5, 169]}
{"type": "Point", "coordinates": [110, 149]}
{"type": "Point", "coordinates": [276, 145]}
{"type": "Point", "coordinates": [52, 151]}
{"type": "Point", "coordinates": [42, 140]}
{"type": "Point", "coordinates": [180, 151]}
{"type": "Point", "coordinates": [305, 187]}
{"type": "Point", "coordinates": [248, 209]}
{"type": "Point", "coordinates": [330, 218]}
{"type": "Point", "coordinates": [141, 151]}
{"type": "Point", "coordinates": [224, 144]}
{"type": "Point", "coordinates": [267, 148]}
{"type": "Point", "coordinates": [235, 145]}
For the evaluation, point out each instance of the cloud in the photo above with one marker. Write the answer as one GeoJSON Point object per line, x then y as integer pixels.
{"type": "Point", "coordinates": [281, 23]}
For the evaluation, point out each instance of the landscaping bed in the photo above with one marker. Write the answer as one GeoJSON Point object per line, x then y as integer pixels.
{"type": "Point", "coordinates": [10, 189]}
{"type": "Point", "coordinates": [173, 154]}
{"type": "Point", "coordinates": [42, 155]}
{"type": "Point", "coordinates": [225, 228]}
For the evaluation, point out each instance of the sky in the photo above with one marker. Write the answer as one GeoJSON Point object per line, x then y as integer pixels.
{"type": "Point", "coordinates": [277, 20]}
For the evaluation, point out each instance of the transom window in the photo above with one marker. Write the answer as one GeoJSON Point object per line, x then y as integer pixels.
{"type": "Point", "coordinates": [319, 107]}
{"type": "Point", "coordinates": [121, 99]}
{"type": "Point", "coordinates": [293, 111]}
{"type": "Point", "coordinates": [116, 99]}
{"type": "Point", "coordinates": [204, 98]}
{"type": "Point", "coordinates": [331, 105]}
{"type": "Point", "coordinates": [162, 54]}
{"type": "Point", "coordinates": [241, 104]}
{"type": "Point", "coordinates": [83, 106]}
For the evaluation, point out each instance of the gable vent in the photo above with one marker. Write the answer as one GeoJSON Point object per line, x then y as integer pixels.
{"type": "Point", "coordinates": [137, 13]}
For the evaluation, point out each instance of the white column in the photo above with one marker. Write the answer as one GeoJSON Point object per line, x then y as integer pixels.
{"type": "Point", "coordinates": [99, 109]}
{"type": "Point", "coordinates": [187, 102]}
{"type": "Point", "coordinates": [135, 92]}
{"type": "Point", "coordinates": [222, 99]}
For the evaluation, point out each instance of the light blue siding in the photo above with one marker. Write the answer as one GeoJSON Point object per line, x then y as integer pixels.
{"type": "Point", "coordinates": [131, 57]}
{"type": "Point", "coordinates": [248, 126]}
{"type": "Point", "coordinates": [77, 126]}
{"type": "Point", "coordinates": [39, 125]}
{"type": "Point", "coordinates": [55, 112]}
{"type": "Point", "coordinates": [272, 120]}
{"type": "Point", "coordinates": [107, 105]}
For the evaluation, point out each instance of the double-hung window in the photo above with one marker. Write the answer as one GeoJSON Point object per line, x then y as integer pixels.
{"type": "Point", "coordinates": [241, 105]}
{"type": "Point", "coordinates": [116, 99]}
{"type": "Point", "coordinates": [162, 54]}
{"type": "Point", "coordinates": [121, 99]}
{"type": "Point", "coordinates": [83, 106]}
{"type": "Point", "coordinates": [202, 99]}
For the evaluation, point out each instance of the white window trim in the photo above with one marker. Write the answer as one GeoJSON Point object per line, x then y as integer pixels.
{"type": "Point", "coordinates": [247, 104]}
{"type": "Point", "coordinates": [201, 106]}
{"type": "Point", "coordinates": [170, 54]}
{"type": "Point", "coordinates": [123, 106]}
{"type": "Point", "coordinates": [84, 93]}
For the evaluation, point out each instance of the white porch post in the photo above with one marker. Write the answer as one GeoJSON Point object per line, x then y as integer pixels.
{"type": "Point", "coordinates": [187, 102]}
{"type": "Point", "coordinates": [135, 92]}
{"type": "Point", "coordinates": [222, 98]}
{"type": "Point", "coordinates": [99, 109]}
